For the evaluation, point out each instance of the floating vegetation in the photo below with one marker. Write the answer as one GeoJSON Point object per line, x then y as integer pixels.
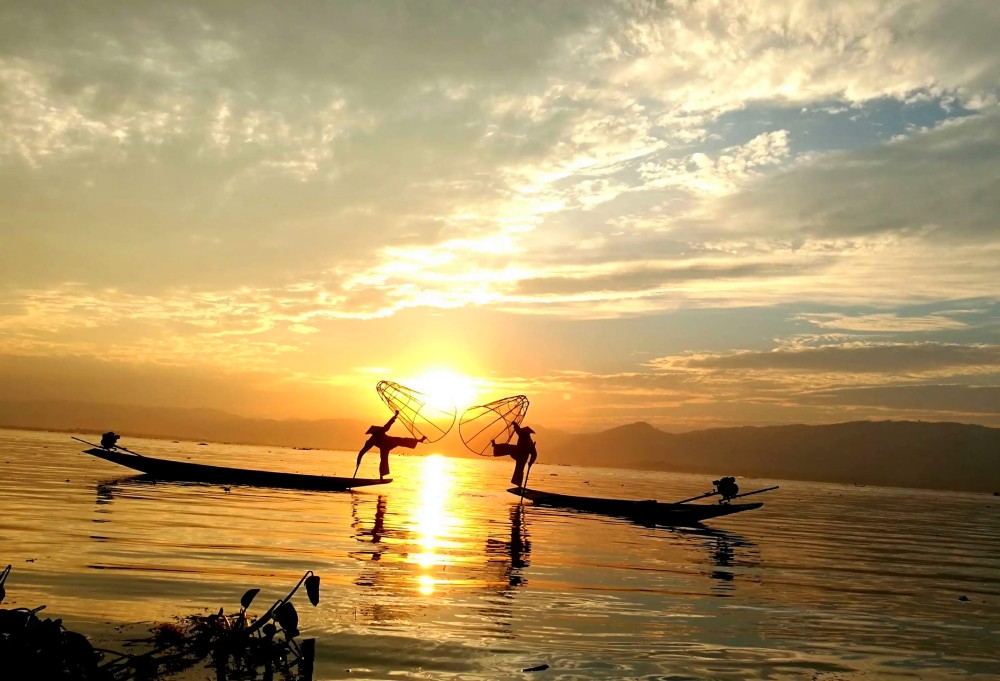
{"type": "Point", "coordinates": [237, 645]}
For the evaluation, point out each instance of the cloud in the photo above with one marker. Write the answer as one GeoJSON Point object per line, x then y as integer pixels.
{"type": "Point", "coordinates": [186, 182]}
{"type": "Point", "coordinates": [200, 146]}
{"type": "Point", "coordinates": [689, 399]}
{"type": "Point", "coordinates": [966, 400]}
{"type": "Point", "coordinates": [700, 173]}
{"type": "Point", "coordinates": [850, 358]}
{"type": "Point", "coordinates": [643, 277]}
{"type": "Point", "coordinates": [719, 56]}
{"type": "Point", "coordinates": [882, 323]}
{"type": "Point", "coordinates": [895, 187]}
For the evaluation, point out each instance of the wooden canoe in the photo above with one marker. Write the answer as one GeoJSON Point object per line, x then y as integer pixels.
{"type": "Point", "coordinates": [647, 512]}
{"type": "Point", "coordinates": [166, 469]}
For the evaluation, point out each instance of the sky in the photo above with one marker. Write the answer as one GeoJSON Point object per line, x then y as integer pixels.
{"type": "Point", "coordinates": [693, 214]}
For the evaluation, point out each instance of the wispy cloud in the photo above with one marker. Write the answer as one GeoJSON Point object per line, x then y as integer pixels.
{"type": "Point", "coordinates": [882, 323]}
{"type": "Point", "coordinates": [890, 359]}
{"type": "Point", "coordinates": [964, 400]}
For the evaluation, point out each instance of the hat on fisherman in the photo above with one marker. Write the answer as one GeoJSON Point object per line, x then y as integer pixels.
{"type": "Point", "coordinates": [527, 429]}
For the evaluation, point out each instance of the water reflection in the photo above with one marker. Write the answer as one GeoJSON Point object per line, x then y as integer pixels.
{"type": "Point", "coordinates": [138, 486]}
{"type": "Point", "coordinates": [372, 535]}
{"type": "Point", "coordinates": [836, 582]}
{"type": "Point", "coordinates": [729, 555]}
{"type": "Point", "coordinates": [419, 546]}
{"type": "Point", "coordinates": [432, 522]}
{"type": "Point", "coordinates": [107, 490]}
{"type": "Point", "coordinates": [507, 557]}
{"type": "Point", "coordinates": [508, 553]}
{"type": "Point", "coordinates": [722, 555]}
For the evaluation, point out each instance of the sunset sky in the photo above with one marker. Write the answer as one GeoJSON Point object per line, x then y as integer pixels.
{"type": "Point", "coordinates": [688, 213]}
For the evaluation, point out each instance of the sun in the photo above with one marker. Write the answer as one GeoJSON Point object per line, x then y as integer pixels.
{"type": "Point", "coordinates": [445, 388]}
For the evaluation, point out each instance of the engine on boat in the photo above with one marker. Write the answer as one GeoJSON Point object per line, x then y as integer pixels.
{"type": "Point", "coordinates": [726, 488]}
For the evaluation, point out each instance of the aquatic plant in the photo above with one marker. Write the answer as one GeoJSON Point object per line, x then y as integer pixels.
{"type": "Point", "coordinates": [238, 646]}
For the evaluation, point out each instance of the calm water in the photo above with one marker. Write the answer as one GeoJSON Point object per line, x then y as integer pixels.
{"type": "Point", "coordinates": [441, 575]}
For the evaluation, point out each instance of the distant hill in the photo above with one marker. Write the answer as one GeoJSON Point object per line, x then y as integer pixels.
{"type": "Point", "coordinates": [893, 453]}
{"type": "Point", "coordinates": [187, 424]}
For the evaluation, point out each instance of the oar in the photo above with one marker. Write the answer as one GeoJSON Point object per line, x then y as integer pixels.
{"type": "Point", "coordinates": [713, 493]}
{"type": "Point", "coordinates": [757, 491]}
{"type": "Point", "coordinates": [684, 501]}
{"type": "Point", "coordinates": [356, 470]}
{"type": "Point", "coordinates": [526, 475]}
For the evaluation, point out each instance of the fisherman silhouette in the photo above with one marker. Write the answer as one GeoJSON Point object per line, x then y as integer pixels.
{"type": "Point", "coordinates": [523, 452]}
{"type": "Point", "coordinates": [385, 443]}
{"type": "Point", "coordinates": [109, 440]}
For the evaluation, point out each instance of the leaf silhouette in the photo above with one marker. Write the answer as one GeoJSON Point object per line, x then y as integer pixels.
{"type": "Point", "coordinates": [287, 617]}
{"type": "Point", "coordinates": [248, 597]}
{"type": "Point", "coordinates": [312, 589]}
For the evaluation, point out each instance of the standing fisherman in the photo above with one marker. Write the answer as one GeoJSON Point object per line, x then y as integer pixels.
{"type": "Point", "coordinates": [523, 452]}
{"type": "Point", "coordinates": [385, 444]}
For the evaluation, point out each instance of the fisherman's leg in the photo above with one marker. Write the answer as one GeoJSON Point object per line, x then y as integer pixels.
{"type": "Point", "coordinates": [518, 478]}
{"type": "Point", "coordinates": [504, 449]}
{"type": "Point", "coordinates": [383, 464]}
{"type": "Point", "coordinates": [408, 442]}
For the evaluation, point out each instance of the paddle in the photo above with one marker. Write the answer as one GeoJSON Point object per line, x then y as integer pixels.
{"type": "Point", "coordinates": [700, 496]}
{"type": "Point", "coordinates": [713, 493]}
{"type": "Point", "coordinates": [526, 475]}
{"type": "Point", "coordinates": [756, 491]}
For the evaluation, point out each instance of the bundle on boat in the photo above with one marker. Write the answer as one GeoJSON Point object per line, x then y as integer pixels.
{"type": "Point", "coordinates": [237, 645]}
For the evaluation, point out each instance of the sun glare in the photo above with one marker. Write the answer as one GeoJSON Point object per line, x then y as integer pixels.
{"type": "Point", "coordinates": [433, 520]}
{"type": "Point", "coordinates": [445, 388]}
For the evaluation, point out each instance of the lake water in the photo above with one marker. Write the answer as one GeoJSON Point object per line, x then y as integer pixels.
{"type": "Point", "coordinates": [442, 575]}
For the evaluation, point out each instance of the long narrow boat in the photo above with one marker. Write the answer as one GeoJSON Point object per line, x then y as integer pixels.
{"type": "Point", "coordinates": [165, 469]}
{"type": "Point", "coordinates": [646, 512]}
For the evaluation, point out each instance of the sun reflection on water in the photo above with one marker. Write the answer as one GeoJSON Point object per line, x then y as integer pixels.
{"type": "Point", "coordinates": [433, 522]}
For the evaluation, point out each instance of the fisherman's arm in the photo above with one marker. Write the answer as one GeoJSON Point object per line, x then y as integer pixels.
{"type": "Point", "coordinates": [391, 421]}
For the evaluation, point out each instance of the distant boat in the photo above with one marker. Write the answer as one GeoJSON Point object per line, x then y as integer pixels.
{"type": "Point", "coordinates": [165, 469]}
{"type": "Point", "coordinates": [648, 512]}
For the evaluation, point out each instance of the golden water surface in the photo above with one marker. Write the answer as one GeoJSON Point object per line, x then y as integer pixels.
{"type": "Point", "coordinates": [442, 574]}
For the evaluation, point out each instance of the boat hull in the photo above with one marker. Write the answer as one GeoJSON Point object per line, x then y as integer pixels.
{"type": "Point", "coordinates": [647, 512]}
{"type": "Point", "coordinates": [165, 469]}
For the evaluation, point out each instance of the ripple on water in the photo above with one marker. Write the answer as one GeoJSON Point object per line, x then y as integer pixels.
{"type": "Point", "coordinates": [442, 575]}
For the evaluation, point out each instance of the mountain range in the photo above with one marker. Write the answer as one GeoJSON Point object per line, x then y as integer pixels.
{"type": "Point", "coordinates": [930, 455]}
{"type": "Point", "coordinates": [893, 453]}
